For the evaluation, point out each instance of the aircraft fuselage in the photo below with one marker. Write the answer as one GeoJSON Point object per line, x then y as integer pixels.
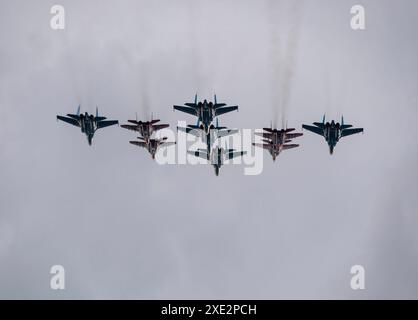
{"type": "Point", "coordinates": [332, 134]}
{"type": "Point", "coordinates": [206, 115]}
{"type": "Point", "coordinates": [88, 126]}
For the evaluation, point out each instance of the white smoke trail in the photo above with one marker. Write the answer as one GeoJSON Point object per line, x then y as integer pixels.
{"type": "Point", "coordinates": [285, 19]}
{"type": "Point", "coordinates": [144, 89]}
{"type": "Point", "coordinates": [195, 61]}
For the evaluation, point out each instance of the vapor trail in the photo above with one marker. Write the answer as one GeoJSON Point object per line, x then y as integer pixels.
{"type": "Point", "coordinates": [285, 19]}
{"type": "Point", "coordinates": [194, 43]}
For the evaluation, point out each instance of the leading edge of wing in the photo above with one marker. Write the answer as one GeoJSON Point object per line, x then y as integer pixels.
{"type": "Point", "coordinates": [223, 110]}
{"type": "Point", "coordinates": [72, 121]}
{"type": "Point", "coordinates": [313, 129]}
{"type": "Point", "coordinates": [347, 132]}
{"type": "Point", "coordinates": [188, 110]}
{"type": "Point", "coordinates": [106, 123]}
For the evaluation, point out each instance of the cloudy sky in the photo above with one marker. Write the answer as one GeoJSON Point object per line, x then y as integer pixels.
{"type": "Point", "coordinates": [125, 227]}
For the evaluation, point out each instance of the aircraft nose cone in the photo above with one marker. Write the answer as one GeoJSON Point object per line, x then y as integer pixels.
{"type": "Point", "coordinates": [331, 150]}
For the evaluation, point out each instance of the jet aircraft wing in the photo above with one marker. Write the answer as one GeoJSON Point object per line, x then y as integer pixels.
{"type": "Point", "coordinates": [223, 110]}
{"type": "Point", "coordinates": [102, 124]}
{"type": "Point", "coordinates": [188, 110]}
{"type": "Point", "coordinates": [130, 127]}
{"type": "Point", "coordinates": [139, 143]}
{"type": "Point", "coordinates": [160, 126]}
{"type": "Point", "coordinates": [193, 131]}
{"type": "Point", "coordinates": [293, 135]}
{"type": "Point", "coordinates": [167, 144]}
{"type": "Point", "coordinates": [235, 154]}
{"type": "Point", "coordinates": [200, 154]}
{"type": "Point", "coordinates": [313, 129]}
{"type": "Point", "coordinates": [72, 121]}
{"type": "Point", "coordinates": [347, 132]}
{"type": "Point", "coordinates": [225, 132]}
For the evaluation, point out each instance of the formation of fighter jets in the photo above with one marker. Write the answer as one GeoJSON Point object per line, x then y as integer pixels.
{"type": "Point", "coordinates": [275, 141]}
{"type": "Point", "coordinates": [146, 130]}
{"type": "Point", "coordinates": [208, 130]}
{"type": "Point", "coordinates": [205, 129]}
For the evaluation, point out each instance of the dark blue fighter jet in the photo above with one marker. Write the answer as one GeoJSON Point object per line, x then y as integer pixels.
{"type": "Point", "coordinates": [332, 131]}
{"type": "Point", "coordinates": [205, 112]}
{"type": "Point", "coordinates": [218, 156]}
{"type": "Point", "coordinates": [87, 122]}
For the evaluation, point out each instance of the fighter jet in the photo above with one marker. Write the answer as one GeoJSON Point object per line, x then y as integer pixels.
{"type": "Point", "coordinates": [218, 156]}
{"type": "Point", "coordinates": [145, 128]}
{"type": "Point", "coordinates": [209, 138]}
{"type": "Point", "coordinates": [275, 141]}
{"type": "Point", "coordinates": [332, 131]}
{"type": "Point", "coordinates": [88, 122]}
{"type": "Point", "coordinates": [205, 112]}
{"type": "Point", "coordinates": [152, 145]}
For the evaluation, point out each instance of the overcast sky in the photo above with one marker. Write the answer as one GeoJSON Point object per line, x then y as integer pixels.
{"type": "Point", "coordinates": [125, 227]}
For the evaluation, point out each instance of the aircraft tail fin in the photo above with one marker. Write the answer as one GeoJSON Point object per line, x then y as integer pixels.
{"type": "Point", "coordinates": [97, 115]}
{"type": "Point", "coordinates": [344, 126]}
